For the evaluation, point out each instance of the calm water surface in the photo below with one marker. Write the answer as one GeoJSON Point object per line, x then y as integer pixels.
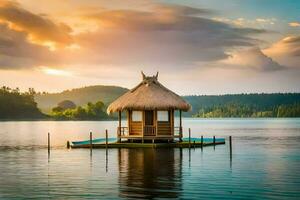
{"type": "Point", "coordinates": [265, 163]}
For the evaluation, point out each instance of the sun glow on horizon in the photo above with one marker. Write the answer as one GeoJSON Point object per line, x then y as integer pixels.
{"type": "Point", "coordinates": [55, 72]}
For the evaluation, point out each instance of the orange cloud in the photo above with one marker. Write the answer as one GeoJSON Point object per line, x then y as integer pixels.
{"type": "Point", "coordinates": [16, 52]}
{"type": "Point", "coordinates": [288, 46]}
{"type": "Point", "coordinates": [40, 29]}
{"type": "Point", "coordinates": [165, 35]}
{"type": "Point", "coordinates": [286, 51]}
{"type": "Point", "coordinates": [294, 24]}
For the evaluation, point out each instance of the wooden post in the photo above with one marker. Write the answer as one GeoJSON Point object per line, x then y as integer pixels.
{"type": "Point", "coordinates": [128, 122]}
{"type": "Point", "coordinates": [172, 122]}
{"type": "Point", "coordinates": [48, 143]}
{"type": "Point", "coordinates": [156, 123]}
{"type": "Point", "coordinates": [120, 125]}
{"type": "Point", "coordinates": [91, 140]}
{"type": "Point", "coordinates": [143, 125]}
{"type": "Point", "coordinates": [180, 126]}
{"type": "Point", "coordinates": [230, 146]}
{"type": "Point", "coordinates": [68, 144]}
{"type": "Point", "coordinates": [201, 141]}
{"type": "Point", "coordinates": [214, 140]}
{"type": "Point", "coordinates": [189, 138]}
{"type": "Point", "coordinates": [106, 138]}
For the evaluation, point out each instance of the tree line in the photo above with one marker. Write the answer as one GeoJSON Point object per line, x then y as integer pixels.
{"type": "Point", "coordinates": [67, 110]}
{"type": "Point", "coordinates": [18, 105]}
{"type": "Point", "coordinates": [246, 105]}
{"type": "Point", "coordinates": [235, 110]}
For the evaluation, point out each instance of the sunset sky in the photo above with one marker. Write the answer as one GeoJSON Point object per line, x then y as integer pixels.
{"type": "Point", "coordinates": [198, 47]}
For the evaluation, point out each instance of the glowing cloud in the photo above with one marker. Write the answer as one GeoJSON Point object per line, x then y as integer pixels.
{"type": "Point", "coordinates": [294, 24]}
{"type": "Point", "coordinates": [55, 72]}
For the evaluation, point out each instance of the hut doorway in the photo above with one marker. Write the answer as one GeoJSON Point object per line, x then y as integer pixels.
{"type": "Point", "coordinates": [149, 123]}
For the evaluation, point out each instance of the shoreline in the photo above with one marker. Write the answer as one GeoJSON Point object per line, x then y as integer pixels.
{"type": "Point", "coordinates": [113, 119]}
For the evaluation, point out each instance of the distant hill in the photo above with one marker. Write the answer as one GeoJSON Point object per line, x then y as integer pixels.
{"type": "Point", "coordinates": [231, 105]}
{"type": "Point", "coordinates": [80, 96]}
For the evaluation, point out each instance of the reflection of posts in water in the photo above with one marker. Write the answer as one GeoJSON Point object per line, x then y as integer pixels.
{"type": "Point", "coordinates": [189, 157]}
{"type": "Point", "coordinates": [149, 173]}
{"type": "Point", "coordinates": [106, 159]}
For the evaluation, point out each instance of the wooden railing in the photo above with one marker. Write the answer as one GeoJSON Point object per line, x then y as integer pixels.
{"type": "Point", "coordinates": [122, 131]}
{"type": "Point", "coordinates": [149, 130]}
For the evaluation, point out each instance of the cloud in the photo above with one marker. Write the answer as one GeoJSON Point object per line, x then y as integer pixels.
{"type": "Point", "coordinates": [294, 24]}
{"type": "Point", "coordinates": [40, 29]}
{"type": "Point", "coordinates": [180, 10]}
{"type": "Point", "coordinates": [16, 52]}
{"type": "Point", "coordinates": [161, 36]}
{"type": "Point", "coordinates": [258, 22]}
{"type": "Point", "coordinates": [253, 59]}
{"type": "Point", "coordinates": [175, 36]}
{"type": "Point", "coordinates": [286, 51]}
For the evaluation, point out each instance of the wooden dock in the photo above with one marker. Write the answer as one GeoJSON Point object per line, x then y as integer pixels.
{"type": "Point", "coordinates": [149, 145]}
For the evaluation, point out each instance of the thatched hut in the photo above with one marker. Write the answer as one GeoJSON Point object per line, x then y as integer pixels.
{"type": "Point", "coordinates": [150, 111]}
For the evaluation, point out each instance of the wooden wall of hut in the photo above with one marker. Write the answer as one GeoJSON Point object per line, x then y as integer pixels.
{"type": "Point", "coordinates": [166, 127]}
{"type": "Point", "coordinates": [134, 127]}
{"type": "Point", "coordinates": [160, 127]}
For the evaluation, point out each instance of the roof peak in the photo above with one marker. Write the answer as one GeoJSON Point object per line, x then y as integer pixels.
{"type": "Point", "coordinates": [149, 95]}
{"type": "Point", "coordinates": [149, 77]}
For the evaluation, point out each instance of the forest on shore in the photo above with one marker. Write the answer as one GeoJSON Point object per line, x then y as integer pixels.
{"type": "Point", "coordinates": [90, 103]}
{"type": "Point", "coordinates": [245, 105]}
{"type": "Point", "coordinates": [16, 105]}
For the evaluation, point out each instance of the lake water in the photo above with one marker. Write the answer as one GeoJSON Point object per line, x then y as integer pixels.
{"type": "Point", "coordinates": [265, 163]}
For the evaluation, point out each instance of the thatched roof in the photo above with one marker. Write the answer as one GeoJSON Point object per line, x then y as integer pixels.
{"type": "Point", "coordinates": [149, 95]}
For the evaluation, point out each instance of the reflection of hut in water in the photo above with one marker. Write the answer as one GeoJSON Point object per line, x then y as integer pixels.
{"type": "Point", "coordinates": [149, 173]}
{"type": "Point", "coordinates": [150, 109]}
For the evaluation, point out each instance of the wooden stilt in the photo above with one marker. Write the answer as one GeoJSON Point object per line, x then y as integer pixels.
{"type": "Point", "coordinates": [180, 126]}
{"type": "Point", "coordinates": [120, 127]}
{"type": "Point", "coordinates": [230, 146]}
{"type": "Point", "coordinates": [91, 140]}
{"type": "Point", "coordinates": [106, 138]}
{"type": "Point", "coordinates": [189, 138]}
{"type": "Point", "coordinates": [48, 143]}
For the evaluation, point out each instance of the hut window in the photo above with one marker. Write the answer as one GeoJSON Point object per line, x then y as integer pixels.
{"type": "Point", "coordinates": [162, 116]}
{"type": "Point", "coordinates": [137, 116]}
